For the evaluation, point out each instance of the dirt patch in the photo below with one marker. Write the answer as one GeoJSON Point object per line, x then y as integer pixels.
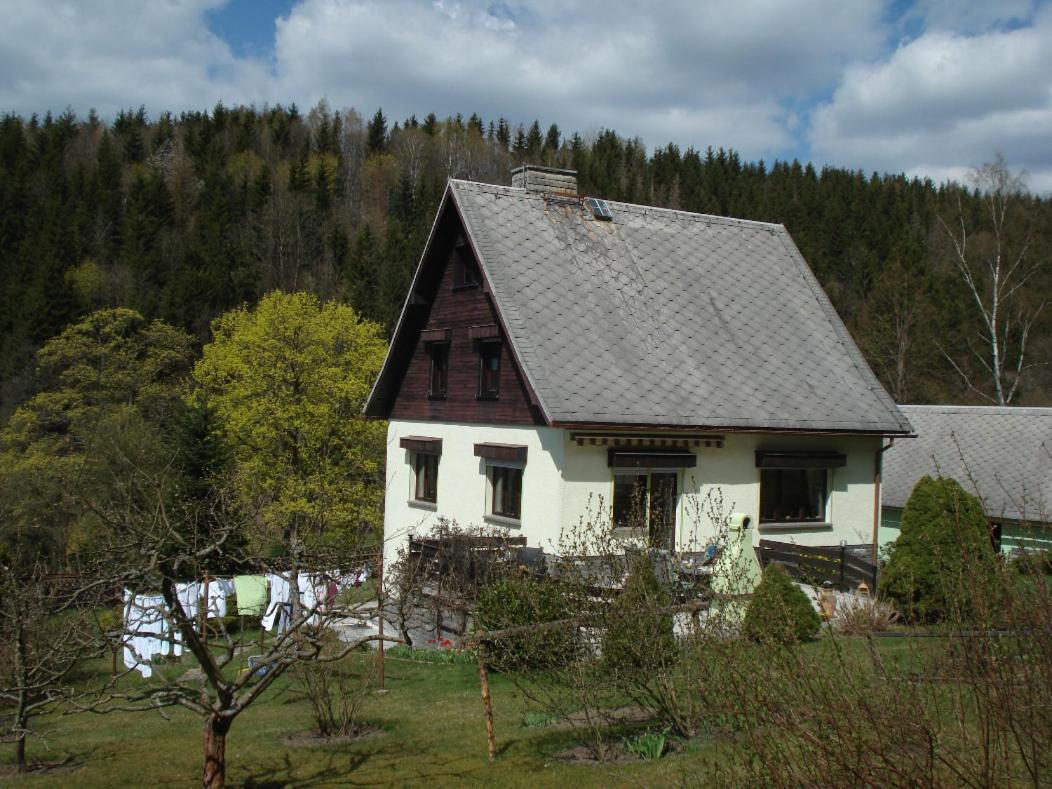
{"type": "Point", "coordinates": [311, 739]}
{"type": "Point", "coordinates": [616, 717]}
{"type": "Point", "coordinates": [611, 754]}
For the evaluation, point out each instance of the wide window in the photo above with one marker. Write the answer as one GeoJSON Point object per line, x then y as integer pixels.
{"type": "Point", "coordinates": [793, 495]}
{"type": "Point", "coordinates": [425, 484]}
{"type": "Point", "coordinates": [489, 369]}
{"type": "Point", "coordinates": [506, 491]}
{"type": "Point", "coordinates": [647, 500]}
{"type": "Point", "coordinates": [439, 353]}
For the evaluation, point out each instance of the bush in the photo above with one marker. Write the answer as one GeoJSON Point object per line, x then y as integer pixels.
{"type": "Point", "coordinates": [336, 689]}
{"type": "Point", "coordinates": [943, 543]}
{"type": "Point", "coordinates": [859, 616]}
{"type": "Point", "coordinates": [514, 602]}
{"type": "Point", "coordinates": [779, 612]}
{"type": "Point", "coordinates": [636, 640]}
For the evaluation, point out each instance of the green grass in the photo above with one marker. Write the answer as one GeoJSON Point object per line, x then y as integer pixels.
{"type": "Point", "coordinates": [434, 734]}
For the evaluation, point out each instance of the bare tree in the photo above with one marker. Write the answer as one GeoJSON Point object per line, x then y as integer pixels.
{"type": "Point", "coordinates": [156, 542]}
{"type": "Point", "coordinates": [995, 264]}
{"type": "Point", "coordinates": [44, 635]}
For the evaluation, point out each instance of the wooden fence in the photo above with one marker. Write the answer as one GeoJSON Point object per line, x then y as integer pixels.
{"type": "Point", "coordinates": [819, 565]}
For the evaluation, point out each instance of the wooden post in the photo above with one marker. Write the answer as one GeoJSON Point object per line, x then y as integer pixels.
{"type": "Point", "coordinates": [380, 615]}
{"type": "Point", "coordinates": [487, 705]}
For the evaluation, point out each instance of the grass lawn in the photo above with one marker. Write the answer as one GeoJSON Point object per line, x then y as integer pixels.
{"type": "Point", "coordinates": [433, 734]}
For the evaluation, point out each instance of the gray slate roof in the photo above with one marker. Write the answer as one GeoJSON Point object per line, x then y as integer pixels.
{"type": "Point", "coordinates": [663, 317]}
{"type": "Point", "coordinates": [1003, 453]}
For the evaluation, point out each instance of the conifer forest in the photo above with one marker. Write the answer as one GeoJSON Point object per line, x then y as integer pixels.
{"type": "Point", "coordinates": [183, 217]}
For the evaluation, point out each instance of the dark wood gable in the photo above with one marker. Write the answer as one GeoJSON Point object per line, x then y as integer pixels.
{"type": "Point", "coordinates": [442, 308]}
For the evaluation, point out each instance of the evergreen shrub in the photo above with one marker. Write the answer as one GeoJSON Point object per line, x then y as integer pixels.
{"type": "Point", "coordinates": [636, 640]}
{"type": "Point", "coordinates": [942, 551]}
{"type": "Point", "coordinates": [779, 611]}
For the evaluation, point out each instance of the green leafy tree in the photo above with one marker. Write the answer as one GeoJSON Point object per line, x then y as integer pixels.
{"type": "Point", "coordinates": [779, 611]}
{"type": "Point", "coordinates": [114, 363]}
{"type": "Point", "coordinates": [942, 550]}
{"type": "Point", "coordinates": [287, 381]}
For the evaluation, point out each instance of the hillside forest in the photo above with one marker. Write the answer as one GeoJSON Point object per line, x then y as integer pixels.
{"type": "Point", "coordinates": [182, 218]}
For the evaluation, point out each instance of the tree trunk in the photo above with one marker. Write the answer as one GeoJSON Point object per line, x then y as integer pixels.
{"type": "Point", "coordinates": [20, 751]}
{"type": "Point", "coordinates": [215, 752]}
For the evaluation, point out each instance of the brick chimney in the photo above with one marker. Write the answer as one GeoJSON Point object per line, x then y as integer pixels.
{"type": "Point", "coordinates": [545, 180]}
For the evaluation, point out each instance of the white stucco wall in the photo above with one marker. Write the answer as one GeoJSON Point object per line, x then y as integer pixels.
{"type": "Point", "coordinates": [563, 482]}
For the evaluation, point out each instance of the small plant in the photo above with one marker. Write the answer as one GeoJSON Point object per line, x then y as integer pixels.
{"type": "Point", "coordinates": [647, 746]}
{"type": "Point", "coordinates": [336, 693]}
{"type": "Point", "coordinates": [779, 611]}
{"type": "Point", "coordinates": [448, 656]}
{"type": "Point", "coordinates": [536, 718]}
{"type": "Point", "coordinates": [862, 615]}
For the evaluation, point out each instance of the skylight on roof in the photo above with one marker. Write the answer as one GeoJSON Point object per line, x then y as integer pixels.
{"type": "Point", "coordinates": [600, 210]}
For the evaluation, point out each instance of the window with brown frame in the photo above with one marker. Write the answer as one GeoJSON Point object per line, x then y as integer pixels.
{"type": "Point", "coordinates": [439, 353]}
{"type": "Point", "coordinates": [489, 369]}
{"type": "Point", "coordinates": [465, 269]}
{"type": "Point", "coordinates": [425, 468]}
{"type": "Point", "coordinates": [793, 495]}
{"type": "Point", "coordinates": [506, 487]}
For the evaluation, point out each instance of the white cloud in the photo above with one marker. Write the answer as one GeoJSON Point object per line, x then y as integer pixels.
{"type": "Point", "coordinates": [116, 55]}
{"type": "Point", "coordinates": [737, 73]}
{"type": "Point", "coordinates": [728, 73]}
{"type": "Point", "coordinates": [945, 102]}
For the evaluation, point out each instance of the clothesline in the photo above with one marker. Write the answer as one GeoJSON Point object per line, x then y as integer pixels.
{"type": "Point", "coordinates": [148, 624]}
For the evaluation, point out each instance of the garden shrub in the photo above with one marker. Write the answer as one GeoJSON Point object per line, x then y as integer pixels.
{"type": "Point", "coordinates": [942, 551]}
{"type": "Point", "coordinates": [779, 611]}
{"type": "Point", "coordinates": [516, 601]}
{"type": "Point", "coordinates": [636, 640]}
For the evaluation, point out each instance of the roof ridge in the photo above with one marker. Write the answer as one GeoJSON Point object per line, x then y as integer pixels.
{"type": "Point", "coordinates": [993, 409]}
{"type": "Point", "coordinates": [693, 216]}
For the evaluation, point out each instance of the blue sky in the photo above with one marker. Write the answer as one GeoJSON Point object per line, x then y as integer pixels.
{"type": "Point", "coordinates": [927, 87]}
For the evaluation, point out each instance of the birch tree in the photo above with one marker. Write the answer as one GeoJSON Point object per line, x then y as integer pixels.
{"type": "Point", "coordinates": [995, 260]}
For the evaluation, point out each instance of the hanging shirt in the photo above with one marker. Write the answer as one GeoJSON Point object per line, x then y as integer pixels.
{"type": "Point", "coordinates": [251, 591]}
{"type": "Point", "coordinates": [279, 597]}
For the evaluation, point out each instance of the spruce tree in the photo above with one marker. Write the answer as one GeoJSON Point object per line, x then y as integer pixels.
{"type": "Point", "coordinates": [376, 134]}
{"type": "Point", "coordinates": [942, 552]}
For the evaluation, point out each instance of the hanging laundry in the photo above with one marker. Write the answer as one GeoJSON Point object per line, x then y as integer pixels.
{"type": "Point", "coordinates": [251, 591]}
{"type": "Point", "coordinates": [279, 598]}
{"type": "Point", "coordinates": [189, 595]}
{"type": "Point", "coordinates": [147, 631]}
{"type": "Point", "coordinates": [219, 589]}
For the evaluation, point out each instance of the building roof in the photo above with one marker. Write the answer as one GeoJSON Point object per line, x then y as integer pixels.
{"type": "Point", "coordinates": [667, 318]}
{"type": "Point", "coordinates": [1002, 453]}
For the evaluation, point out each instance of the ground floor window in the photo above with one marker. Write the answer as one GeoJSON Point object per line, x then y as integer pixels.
{"type": "Point", "coordinates": [647, 500]}
{"type": "Point", "coordinates": [505, 491]}
{"type": "Point", "coordinates": [425, 485]}
{"type": "Point", "coordinates": [793, 495]}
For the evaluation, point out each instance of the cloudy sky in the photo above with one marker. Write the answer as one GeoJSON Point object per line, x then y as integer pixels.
{"type": "Point", "coordinates": [928, 87]}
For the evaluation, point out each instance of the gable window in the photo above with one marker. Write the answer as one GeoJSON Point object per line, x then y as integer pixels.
{"type": "Point", "coordinates": [489, 370]}
{"type": "Point", "coordinates": [439, 382]}
{"type": "Point", "coordinates": [465, 269]}
{"type": "Point", "coordinates": [794, 485]}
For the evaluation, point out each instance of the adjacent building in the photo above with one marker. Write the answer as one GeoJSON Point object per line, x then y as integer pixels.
{"type": "Point", "coordinates": [1003, 454]}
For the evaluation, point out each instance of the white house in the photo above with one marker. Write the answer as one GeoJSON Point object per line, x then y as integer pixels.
{"type": "Point", "coordinates": [559, 355]}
